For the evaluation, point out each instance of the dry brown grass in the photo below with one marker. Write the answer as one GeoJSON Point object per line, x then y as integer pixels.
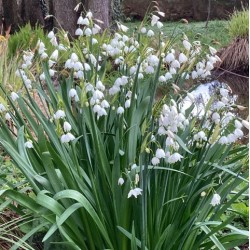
{"type": "Point", "coordinates": [235, 57]}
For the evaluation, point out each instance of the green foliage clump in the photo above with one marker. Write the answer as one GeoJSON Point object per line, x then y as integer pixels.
{"type": "Point", "coordinates": [239, 24]}
{"type": "Point", "coordinates": [114, 167]}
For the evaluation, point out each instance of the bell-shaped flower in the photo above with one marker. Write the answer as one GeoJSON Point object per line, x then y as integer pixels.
{"type": "Point", "coordinates": [120, 110]}
{"type": "Point", "coordinates": [120, 181]}
{"type": "Point", "coordinates": [154, 20]}
{"type": "Point", "coordinates": [79, 32]}
{"type": "Point", "coordinates": [59, 114]}
{"type": "Point", "coordinates": [28, 144]}
{"type": "Point", "coordinates": [14, 96]}
{"type": "Point", "coordinates": [66, 127]}
{"type": "Point", "coordinates": [7, 116]}
{"type": "Point", "coordinates": [155, 161]}
{"type": "Point", "coordinates": [174, 158]}
{"type": "Point", "coordinates": [135, 192]}
{"type": "Point", "coordinates": [160, 153]}
{"type": "Point", "coordinates": [215, 200]}
{"type": "Point", "coordinates": [182, 58]}
{"type": "Point", "coordinates": [150, 33]}
{"type": "Point", "coordinates": [187, 45]}
{"type": "Point", "coordinates": [67, 138]}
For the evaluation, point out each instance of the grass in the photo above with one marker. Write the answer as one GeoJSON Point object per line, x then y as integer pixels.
{"type": "Point", "coordinates": [239, 24]}
{"type": "Point", "coordinates": [216, 34]}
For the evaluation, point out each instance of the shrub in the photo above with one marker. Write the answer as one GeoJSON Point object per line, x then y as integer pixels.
{"type": "Point", "coordinates": [117, 168]}
{"type": "Point", "coordinates": [239, 24]}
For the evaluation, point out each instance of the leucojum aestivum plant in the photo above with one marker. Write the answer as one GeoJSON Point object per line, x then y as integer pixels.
{"type": "Point", "coordinates": [111, 166]}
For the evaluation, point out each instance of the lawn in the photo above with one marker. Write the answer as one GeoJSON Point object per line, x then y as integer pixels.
{"type": "Point", "coordinates": [216, 34]}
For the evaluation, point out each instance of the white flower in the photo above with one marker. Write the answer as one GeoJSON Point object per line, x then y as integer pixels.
{"type": "Point", "coordinates": [121, 152]}
{"type": "Point", "coordinates": [120, 181]}
{"type": "Point", "coordinates": [162, 79]}
{"type": "Point", "coordinates": [194, 74]}
{"type": "Point", "coordinates": [100, 86]}
{"type": "Point", "coordinates": [160, 153]}
{"type": "Point", "coordinates": [187, 45]}
{"type": "Point", "coordinates": [51, 72]}
{"type": "Point", "coordinates": [79, 32]}
{"type": "Point", "coordinates": [150, 33]}
{"type": "Point", "coordinates": [122, 27]}
{"type": "Point", "coordinates": [2, 107]}
{"type": "Point", "coordinates": [74, 57]}
{"type": "Point", "coordinates": [175, 64]}
{"type": "Point", "coordinates": [105, 104]}
{"type": "Point", "coordinates": [67, 138]}
{"type": "Point", "coordinates": [61, 47]}
{"type": "Point", "coordinates": [231, 138]}
{"type": "Point", "coordinates": [66, 127]}
{"type": "Point", "coordinates": [87, 67]}
{"type": "Point", "coordinates": [149, 69]}
{"type": "Point", "coordinates": [202, 135]}
{"type": "Point", "coordinates": [85, 21]}
{"type": "Point", "coordinates": [127, 103]}
{"type": "Point", "coordinates": [7, 116]}
{"type": "Point", "coordinates": [224, 92]}
{"type": "Point", "coordinates": [28, 144]}
{"type": "Point", "coordinates": [80, 20]}
{"type": "Point", "coordinates": [213, 51]}
{"type": "Point", "coordinates": [51, 34]}
{"type": "Point", "coordinates": [54, 55]}
{"type": "Point", "coordinates": [238, 124]}
{"type": "Point", "coordinates": [168, 76]}
{"type": "Point", "coordinates": [182, 58]}
{"type": "Point", "coordinates": [245, 124]}
{"type": "Point", "coordinates": [14, 96]}
{"type": "Point", "coordinates": [216, 117]}
{"type": "Point", "coordinates": [155, 161]}
{"type": "Point", "coordinates": [120, 110]}
{"type": "Point", "coordinates": [89, 15]}
{"type": "Point", "coordinates": [174, 158]}
{"type": "Point", "coordinates": [215, 200]}
{"type": "Point", "coordinates": [223, 140]}
{"type": "Point", "coordinates": [73, 94]}
{"type": "Point", "coordinates": [135, 192]}
{"type": "Point", "coordinates": [96, 29]}
{"type": "Point", "coordinates": [170, 57]}
{"type": "Point", "coordinates": [44, 55]}
{"type": "Point", "coordinates": [59, 114]}
{"type": "Point", "coordinates": [238, 132]}
{"type": "Point", "coordinates": [88, 32]}
{"type": "Point", "coordinates": [143, 30]}
{"type": "Point", "coordinates": [154, 20]}
{"type": "Point", "coordinates": [159, 25]}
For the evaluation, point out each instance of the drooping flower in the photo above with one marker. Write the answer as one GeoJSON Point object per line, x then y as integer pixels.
{"type": "Point", "coordinates": [215, 200]}
{"type": "Point", "coordinates": [174, 158]}
{"type": "Point", "coordinates": [67, 138]}
{"type": "Point", "coordinates": [187, 45]}
{"type": "Point", "coordinates": [150, 33]}
{"type": "Point", "coordinates": [14, 96]}
{"type": "Point", "coordinates": [120, 110]}
{"type": "Point", "coordinates": [79, 32]}
{"type": "Point", "coordinates": [154, 20]}
{"type": "Point", "coordinates": [2, 107]}
{"type": "Point", "coordinates": [66, 127]}
{"type": "Point", "coordinates": [7, 116]}
{"type": "Point", "coordinates": [155, 161]}
{"type": "Point", "coordinates": [135, 192]}
{"type": "Point", "coordinates": [120, 181]}
{"type": "Point", "coordinates": [160, 153]}
{"type": "Point", "coordinates": [182, 58]}
{"type": "Point", "coordinates": [28, 144]}
{"type": "Point", "coordinates": [59, 114]}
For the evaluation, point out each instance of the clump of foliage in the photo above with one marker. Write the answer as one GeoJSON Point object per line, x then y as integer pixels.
{"type": "Point", "coordinates": [238, 25]}
{"type": "Point", "coordinates": [116, 168]}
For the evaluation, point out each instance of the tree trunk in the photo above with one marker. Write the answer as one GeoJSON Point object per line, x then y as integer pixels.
{"type": "Point", "coordinates": [66, 17]}
{"type": "Point", "coordinates": [101, 11]}
{"type": "Point", "coordinates": [12, 13]}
